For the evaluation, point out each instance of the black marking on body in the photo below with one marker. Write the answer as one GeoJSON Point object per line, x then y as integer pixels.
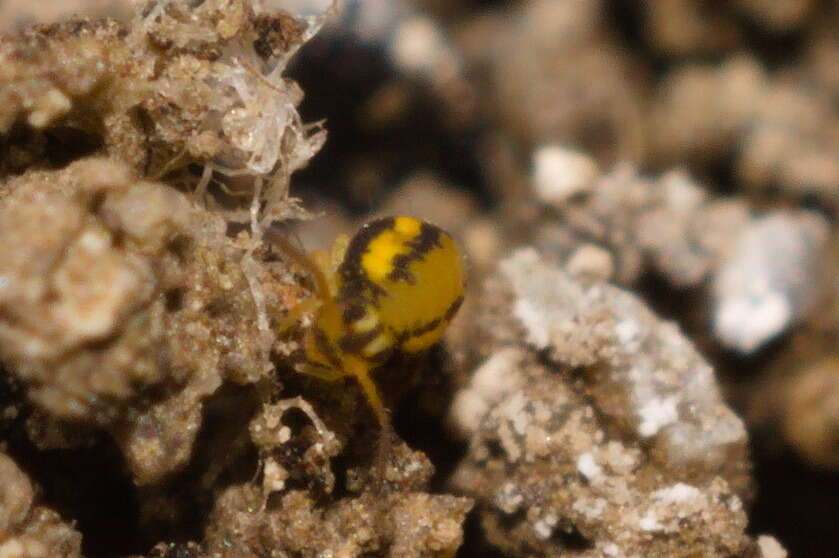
{"type": "Point", "coordinates": [453, 308]}
{"type": "Point", "coordinates": [422, 244]}
{"type": "Point", "coordinates": [425, 328]}
{"type": "Point", "coordinates": [381, 357]}
{"type": "Point", "coordinates": [326, 348]}
{"type": "Point", "coordinates": [355, 284]}
{"type": "Point", "coordinates": [416, 331]}
{"type": "Point", "coordinates": [355, 342]}
{"type": "Point", "coordinates": [352, 313]}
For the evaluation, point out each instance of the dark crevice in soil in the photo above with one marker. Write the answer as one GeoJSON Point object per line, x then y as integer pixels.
{"type": "Point", "coordinates": [341, 74]}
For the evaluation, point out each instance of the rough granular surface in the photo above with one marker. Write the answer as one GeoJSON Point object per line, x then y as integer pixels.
{"type": "Point", "coordinates": [28, 528]}
{"type": "Point", "coordinates": [595, 426]}
{"type": "Point", "coordinates": [121, 307]}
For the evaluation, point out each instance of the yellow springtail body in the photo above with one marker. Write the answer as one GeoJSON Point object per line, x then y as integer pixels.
{"type": "Point", "coordinates": [397, 288]}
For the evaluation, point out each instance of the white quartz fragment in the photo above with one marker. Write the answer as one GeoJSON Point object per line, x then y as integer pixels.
{"type": "Point", "coordinates": [656, 414]}
{"type": "Point", "coordinates": [559, 173]}
{"type": "Point", "coordinates": [769, 278]}
{"type": "Point", "coordinates": [649, 522]}
{"type": "Point", "coordinates": [770, 547]}
{"type": "Point", "coordinates": [588, 467]}
{"type": "Point", "coordinates": [678, 493]}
